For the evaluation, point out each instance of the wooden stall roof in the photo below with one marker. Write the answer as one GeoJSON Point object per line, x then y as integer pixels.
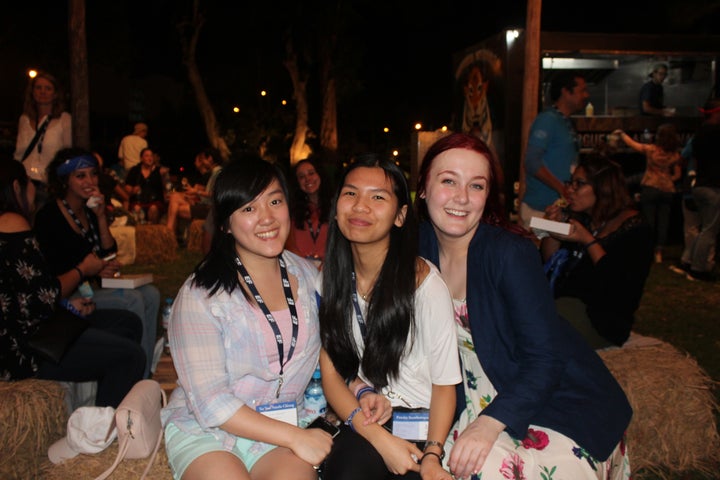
{"type": "Point", "coordinates": [632, 44]}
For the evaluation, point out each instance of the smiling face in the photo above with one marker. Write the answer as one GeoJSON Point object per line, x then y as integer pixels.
{"type": "Point", "coordinates": [456, 190]}
{"type": "Point", "coordinates": [581, 197]}
{"type": "Point", "coordinates": [43, 91]}
{"type": "Point", "coordinates": [308, 178]}
{"type": "Point", "coordinates": [82, 183]}
{"type": "Point", "coordinates": [367, 207]}
{"type": "Point", "coordinates": [261, 227]}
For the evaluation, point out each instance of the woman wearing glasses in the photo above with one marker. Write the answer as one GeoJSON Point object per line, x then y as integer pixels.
{"type": "Point", "coordinates": [598, 271]}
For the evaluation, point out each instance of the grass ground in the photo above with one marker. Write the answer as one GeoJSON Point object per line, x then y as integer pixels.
{"type": "Point", "coordinates": [683, 313]}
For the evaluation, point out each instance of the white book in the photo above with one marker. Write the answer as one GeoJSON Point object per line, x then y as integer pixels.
{"type": "Point", "coordinates": [128, 280]}
{"type": "Point", "coordinates": [550, 225]}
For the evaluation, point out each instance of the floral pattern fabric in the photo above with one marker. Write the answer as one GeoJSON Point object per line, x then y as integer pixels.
{"type": "Point", "coordinates": [543, 454]}
{"type": "Point", "coordinates": [27, 297]}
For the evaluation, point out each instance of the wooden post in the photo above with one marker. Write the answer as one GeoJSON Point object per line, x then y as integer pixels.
{"type": "Point", "coordinates": [531, 83]}
{"type": "Point", "coordinates": [78, 74]}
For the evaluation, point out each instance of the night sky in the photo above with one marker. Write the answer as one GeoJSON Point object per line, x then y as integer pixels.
{"type": "Point", "coordinates": [400, 53]}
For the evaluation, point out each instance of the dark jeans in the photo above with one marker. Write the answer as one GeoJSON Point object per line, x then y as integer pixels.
{"type": "Point", "coordinates": [655, 206]}
{"type": "Point", "coordinates": [354, 458]}
{"type": "Point", "coordinates": [108, 352]}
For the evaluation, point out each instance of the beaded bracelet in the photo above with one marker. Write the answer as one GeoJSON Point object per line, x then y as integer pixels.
{"type": "Point", "coordinates": [363, 391]}
{"type": "Point", "coordinates": [349, 421]}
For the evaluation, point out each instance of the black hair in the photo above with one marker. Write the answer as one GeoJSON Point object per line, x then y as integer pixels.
{"type": "Point", "coordinates": [391, 313]}
{"type": "Point", "coordinates": [237, 184]}
{"type": "Point", "coordinates": [10, 171]}
{"type": "Point", "coordinates": [299, 211]}
{"type": "Point", "coordinates": [566, 80]}
{"type": "Point", "coordinates": [58, 184]}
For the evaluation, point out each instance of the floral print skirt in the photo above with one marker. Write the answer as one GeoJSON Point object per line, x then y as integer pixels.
{"type": "Point", "coordinates": [544, 455]}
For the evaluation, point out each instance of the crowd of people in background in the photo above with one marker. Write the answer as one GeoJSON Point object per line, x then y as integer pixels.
{"type": "Point", "coordinates": [441, 307]}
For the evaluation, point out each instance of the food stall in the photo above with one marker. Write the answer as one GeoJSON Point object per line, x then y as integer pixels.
{"type": "Point", "coordinates": [489, 78]}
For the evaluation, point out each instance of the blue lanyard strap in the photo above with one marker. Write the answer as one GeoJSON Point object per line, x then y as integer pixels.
{"type": "Point", "coordinates": [269, 316]}
{"type": "Point", "coordinates": [91, 236]}
{"type": "Point", "coordinates": [358, 312]}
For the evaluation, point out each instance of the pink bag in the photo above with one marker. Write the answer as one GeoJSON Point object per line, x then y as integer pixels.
{"type": "Point", "coordinates": [139, 428]}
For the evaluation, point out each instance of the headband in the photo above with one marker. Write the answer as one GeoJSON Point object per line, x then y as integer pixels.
{"type": "Point", "coordinates": [75, 163]}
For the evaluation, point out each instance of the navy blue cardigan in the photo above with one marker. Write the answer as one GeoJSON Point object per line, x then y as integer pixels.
{"type": "Point", "coordinates": [544, 372]}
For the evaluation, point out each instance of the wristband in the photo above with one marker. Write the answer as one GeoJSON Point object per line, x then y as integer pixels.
{"type": "Point", "coordinates": [362, 391]}
{"type": "Point", "coordinates": [431, 453]}
{"type": "Point", "coordinates": [590, 244]}
{"type": "Point", "coordinates": [349, 420]}
{"type": "Point", "coordinates": [77, 269]}
{"type": "Point", "coordinates": [435, 443]}
{"type": "Point", "coordinates": [359, 387]}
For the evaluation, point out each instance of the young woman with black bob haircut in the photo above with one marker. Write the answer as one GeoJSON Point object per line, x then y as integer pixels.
{"type": "Point", "coordinates": [244, 339]}
{"type": "Point", "coordinates": [535, 398]}
{"type": "Point", "coordinates": [386, 327]}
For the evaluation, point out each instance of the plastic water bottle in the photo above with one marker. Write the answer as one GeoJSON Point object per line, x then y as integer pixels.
{"type": "Point", "coordinates": [167, 308]}
{"type": "Point", "coordinates": [315, 403]}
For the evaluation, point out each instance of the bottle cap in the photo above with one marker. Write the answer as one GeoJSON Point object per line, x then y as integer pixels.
{"type": "Point", "coordinates": [316, 374]}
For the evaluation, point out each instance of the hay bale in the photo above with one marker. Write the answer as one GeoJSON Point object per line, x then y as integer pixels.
{"type": "Point", "coordinates": [88, 467]}
{"type": "Point", "coordinates": [195, 235]}
{"type": "Point", "coordinates": [673, 428]}
{"type": "Point", "coordinates": [154, 244]}
{"type": "Point", "coordinates": [32, 417]}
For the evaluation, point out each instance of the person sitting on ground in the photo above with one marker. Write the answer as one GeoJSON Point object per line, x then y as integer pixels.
{"type": "Point", "coordinates": [195, 201]}
{"type": "Point", "coordinates": [309, 212]}
{"type": "Point", "coordinates": [144, 184]}
{"type": "Point", "coordinates": [244, 340]}
{"type": "Point", "coordinates": [535, 398]}
{"type": "Point", "coordinates": [598, 270]}
{"type": "Point", "coordinates": [662, 171]}
{"type": "Point", "coordinates": [74, 225]}
{"type": "Point", "coordinates": [108, 351]}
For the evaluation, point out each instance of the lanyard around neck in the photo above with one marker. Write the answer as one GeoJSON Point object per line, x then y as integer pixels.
{"type": "Point", "coordinates": [269, 316]}
{"type": "Point", "coordinates": [358, 312]}
{"type": "Point", "coordinates": [91, 236]}
{"type": "Point", "coordinates": [314, 232]}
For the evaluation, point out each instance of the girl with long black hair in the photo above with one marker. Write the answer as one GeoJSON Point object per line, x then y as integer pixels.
{"type": "Point", "coordinates": [386, 327]}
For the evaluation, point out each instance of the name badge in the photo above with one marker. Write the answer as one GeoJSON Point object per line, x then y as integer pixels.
{"type": "Point", "coordinates": [284, 411]}
{"type": "Point", "coordinates": [412, 425]}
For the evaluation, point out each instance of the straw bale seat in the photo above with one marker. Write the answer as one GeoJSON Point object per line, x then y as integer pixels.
{"type": "Point", "coordinates": [33, 415]}
{"type": "Point", "coordinates": [88, 467]}
{"type": "Point", "coordinates": [154, 244]}
{"type": "Point", "coordinates": [195, 235]}
{"type": "Point", "coordinates": [673, 429]}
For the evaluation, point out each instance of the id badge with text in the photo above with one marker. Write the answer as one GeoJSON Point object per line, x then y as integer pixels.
{"type": "Point", "coordinates": [283, 411]}
{"type": "Point", "coordinates": [411, 425]}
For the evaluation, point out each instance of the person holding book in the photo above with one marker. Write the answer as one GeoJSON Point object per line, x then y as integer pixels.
{"type": "Point", "coordinates": [74, 225]}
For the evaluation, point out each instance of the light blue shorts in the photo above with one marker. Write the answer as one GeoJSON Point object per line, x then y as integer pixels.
{"type": "Point", "coordinates": [183, 448]}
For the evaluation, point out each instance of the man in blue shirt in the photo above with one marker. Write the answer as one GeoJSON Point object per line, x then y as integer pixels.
{"type": "Point", "coordinates": [552, 146]}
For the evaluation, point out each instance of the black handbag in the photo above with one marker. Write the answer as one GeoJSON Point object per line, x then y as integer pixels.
{"type": "Point", "coordinates": [56, 334]}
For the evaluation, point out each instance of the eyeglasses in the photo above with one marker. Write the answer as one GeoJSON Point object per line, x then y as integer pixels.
{"type": "Point", "coordinates": [576, 183]}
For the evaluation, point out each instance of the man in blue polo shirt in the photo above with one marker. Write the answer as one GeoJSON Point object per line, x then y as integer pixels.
{"type": "Point", "coordinates": [552, 149]}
